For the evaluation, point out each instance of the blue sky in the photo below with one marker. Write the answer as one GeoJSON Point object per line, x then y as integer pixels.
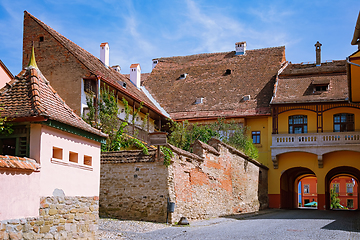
{"type": "Point", "coordinates": [138, 31]}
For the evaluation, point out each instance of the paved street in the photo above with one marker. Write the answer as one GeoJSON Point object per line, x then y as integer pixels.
{"type": "Point", "coordinates": [274, 224]}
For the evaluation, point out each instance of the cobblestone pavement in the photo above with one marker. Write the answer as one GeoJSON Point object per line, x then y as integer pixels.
{"type": "Point", "coordinates": [269, 224]}
{"type": "Point", "coordinates": [117, 229]}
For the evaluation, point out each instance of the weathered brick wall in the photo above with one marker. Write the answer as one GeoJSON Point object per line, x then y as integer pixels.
{"type": "Point", "coordinates": [213, 181]}
{"type": "Point", "coordinates": [59, 66]}
{"type": "Point", "coordinates": [60, 218]}
{"type": "Point", "coordinates": [133, 186]}
{"type": "Point", "coordinates": [216, 180]}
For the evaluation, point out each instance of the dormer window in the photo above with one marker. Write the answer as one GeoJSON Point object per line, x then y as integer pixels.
{"type": "Point", "coordinates": [183, 76]}
{"type": "Point", "coordinates": [321, 88]}
{"type": "Point", "coordinates": [199, 100]}
{"type": "Point", "coordinates": [228, 72]}
{"type": "Point", "coordinates": [246, 98]}
{"type": "Point", "coordinates": [320, 85]}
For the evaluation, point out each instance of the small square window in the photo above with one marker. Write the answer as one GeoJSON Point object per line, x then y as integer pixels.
{"type": "Point", "coordinates": [73, 157]}
{"type": "Point", "coordinates": [255, 135]}
{"type": "Point", "coordinates": [57, 153]}
{"type": "Point", "coordinates": [87, 160]}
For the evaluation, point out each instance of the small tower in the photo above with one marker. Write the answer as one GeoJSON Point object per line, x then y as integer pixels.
{"type": "Point", "coordinates": [105, 53]}
{"type": "Point", "coordinates": [135, 74]}
{"type": "Point", "coordinates": [318, 53]}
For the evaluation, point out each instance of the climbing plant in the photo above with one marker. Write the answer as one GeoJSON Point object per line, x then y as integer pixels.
{"type": "Point", "coordinates": [104, 116]}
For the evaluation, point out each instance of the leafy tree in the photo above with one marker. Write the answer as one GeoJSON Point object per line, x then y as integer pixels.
{"type": "Point", "coordinates": [334, 200]}
{"type": "Point", "coordinates": [5, 126]}
{"type": "Point", "coordinates": [184, 134]}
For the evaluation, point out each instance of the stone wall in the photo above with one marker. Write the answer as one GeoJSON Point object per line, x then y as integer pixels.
{"type": "Point", "coordinates": [60, 218]}
{"type": "Point", "coordinates": [214, 180]}
{"type": "Point", "coordinates": [133, 186]}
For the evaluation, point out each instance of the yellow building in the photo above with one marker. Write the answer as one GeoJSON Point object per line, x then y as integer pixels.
{"type": "Point", "coordinates": [354, 66]}
{"type": "Point", "coordinates": [315, 131]}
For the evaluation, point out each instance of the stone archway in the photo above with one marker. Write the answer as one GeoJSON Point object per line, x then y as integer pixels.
{"type": "Point", "coordinates": [342, 170]}
{"type": "Point", "coordinates": [288, 186]}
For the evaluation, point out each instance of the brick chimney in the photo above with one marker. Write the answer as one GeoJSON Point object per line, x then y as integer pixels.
{"type": "Point", "coordinates": [135, 74]}
{"type": "Point", "coordinates": [104, 53]}
{"type": "Point", "coordinates": [240, 48]}
{"type": "Point", "coordinates": [318, 53]}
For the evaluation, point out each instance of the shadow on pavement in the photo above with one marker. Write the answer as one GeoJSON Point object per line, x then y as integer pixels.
{"type": "Point", "coordinates": [342, 220]}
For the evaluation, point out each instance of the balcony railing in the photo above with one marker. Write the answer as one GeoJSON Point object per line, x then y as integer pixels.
{"type": "Point", "coordinates": [315, 139]}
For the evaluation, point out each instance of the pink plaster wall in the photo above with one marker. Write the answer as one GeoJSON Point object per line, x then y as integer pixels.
{"type": "Point", "coordinates": [4, 77]}
{"type": "Point", "coordinates": [19, 194]}
{"type": "Point", "coordinates": [74, 179]}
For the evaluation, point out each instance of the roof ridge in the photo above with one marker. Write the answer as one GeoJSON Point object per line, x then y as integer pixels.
{"type": "Point", "coordinates": [217, 53]}
{"type": "Point", "coordinates": [43, 25]}
{"type": "Point", "coordinates": [35, 92]}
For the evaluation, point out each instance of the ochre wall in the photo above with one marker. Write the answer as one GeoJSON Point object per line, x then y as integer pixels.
{"type": "Point", "coordinates": [310, 161]}
{"type": "Point", "coordinates": [264, 125]}
{"type": "Point", "coordinates": [355, 78]}
{"type": "Point", "coordinates": [284, 120]}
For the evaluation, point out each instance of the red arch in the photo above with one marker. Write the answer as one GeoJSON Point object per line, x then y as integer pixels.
{"type": "Point", "coordinates": [342, 170]}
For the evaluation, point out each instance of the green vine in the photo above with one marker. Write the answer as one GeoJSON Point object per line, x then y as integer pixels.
{"type": "Point", "coordinates": [168, 154]}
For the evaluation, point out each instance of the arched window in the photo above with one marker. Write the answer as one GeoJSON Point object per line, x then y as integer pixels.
{"type": "Point", "coordinates": [344, 122]}
{"type": "Point", "coordinates": [298, 124]}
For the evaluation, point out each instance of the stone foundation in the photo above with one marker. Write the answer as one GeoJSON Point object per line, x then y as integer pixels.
{"type": "Point", "coordinates": [59, 218]}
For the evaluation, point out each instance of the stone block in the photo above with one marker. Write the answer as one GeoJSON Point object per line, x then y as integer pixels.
{"type": "Point", "coordinates": [53, 211]}
{"type": "Point", "coordinates": [44, 229]}
{"type": "Point", "coordinates": [4, 235]}
{"type": "Point", "coordinates": [15, 236]}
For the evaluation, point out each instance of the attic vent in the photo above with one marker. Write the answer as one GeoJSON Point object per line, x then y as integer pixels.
{"type": "Point", "coordinates": [246, 98]}
{"type": "Point", "coordinates": [41, 39]}
{"type": "Point", "coordinates": [123, 84]}
{"type": "Point", "coordinates": [155, 62]}
{"type": "Point", "coordinates": [228, 71]}
{"type": "Point", "coordinates": [199, 100]}
{"type": "Point", "coordinates": [183, 76]}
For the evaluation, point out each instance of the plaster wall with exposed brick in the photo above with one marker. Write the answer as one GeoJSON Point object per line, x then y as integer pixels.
{"type": "Point", "coordinates": [215, 180]}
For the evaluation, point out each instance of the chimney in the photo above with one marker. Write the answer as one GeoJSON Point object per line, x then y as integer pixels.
{"type": "Point", "coordinates": [240, 48]}
{"type": "Point", "coordinates": [104, 54]}
{"type": "Point", "coordinates": [154, 62]}
{"type": "Point", "coordinates": [318, 53]}
{"type": "Point", "coordinates": [135, 74]}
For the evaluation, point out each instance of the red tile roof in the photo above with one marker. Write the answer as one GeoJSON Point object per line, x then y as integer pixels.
{"type": "Point", "coordinates": [18, 163]}
{"type": "Point", "coordinates": [222, 92]}
{"type": "Point", "coordinates": [134, 65]}
{"type": "Point", "coordinates": [96, 67]}
{"type": "Point", "coordinates": [297, 82]}
{"type": "Point", "coordinates": [30, 95]}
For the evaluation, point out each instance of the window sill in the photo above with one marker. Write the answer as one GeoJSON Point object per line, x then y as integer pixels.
{"type": "Point", "coordinates": [70, 164]}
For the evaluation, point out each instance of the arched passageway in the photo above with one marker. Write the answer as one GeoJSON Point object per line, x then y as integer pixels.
{"type": "Point", "coordinates": [289, 186]}
{"type": "Point", "coordinates": [337, 173]}
{"type": "Point", "coordinates": [307, 191]}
